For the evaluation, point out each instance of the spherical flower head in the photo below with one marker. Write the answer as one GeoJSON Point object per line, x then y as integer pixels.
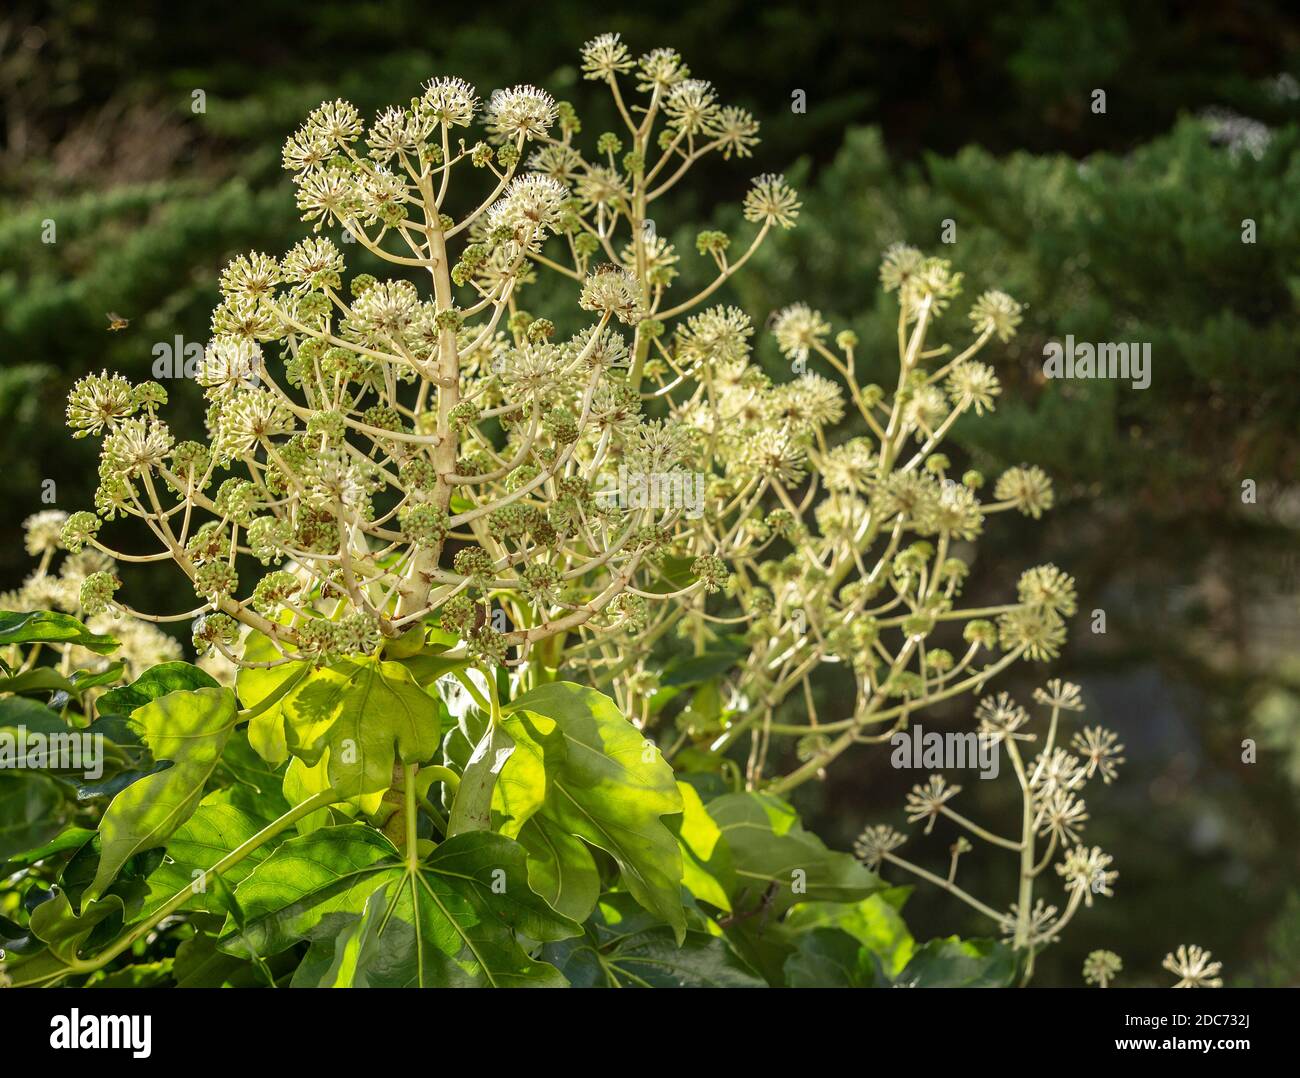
{"type": "Point", "coordinates": [267, 538]}
{"type": "Point", "coordinates": [604, 57]}
{"type": "Point", "coordinates": [780, 455]}
{"type": "Point", "coordinates": [811, 746]}
{"type": "Point", "coordinates": [274, 590]}
{"type": "Point", "coordinates": [531, 206]}
{"type": "Point", "coordinates": [876, 841]}
{"type": "Point", "coordinates": [521, 110]}
{"type": "Point", "coordinates": [98, 402]}
{"type": "Point", "coordinates": [97, 592]}
{"type": "Point", "coordinates": [1046, 586]}
{"type": "Point", "coordinates": [690, 106]}
{"type": "Point", "coordinates": [78, 530]}
{"type": "Point", "coordinates": [216, 580]}
{"type": "Point", "coordinates": [398, 131]}
{"type": "Point", "coordinates": [43, 531]}
{"type": "Point", "coordinates": [656, 446]}
{"type": "Point", "coordinates": [850, 466]}
{"type": "Point", "coordinates": [1100, 749]}
{"type": "Point", "coordinates": [980, 632]}
{"type": "Point", "coordinates": [305, 152]}
{"type": "Point", "coordinates": [999, 718]}
{"type": "Point", "coordinates": [137, 446]}
{"type": "Point", "coordinates": [973, 385]}
{"type": "Point", "coordinates": [956, 511]}
{"type": "Point", "coordinates": [926, 801]}
{"type": "Point", "coordinates": [328, 194]}
{"type": "Point", "coordinates": [1061, 814]}
{"type": "Point", "coordinates": [229, 364]}
{"type": "Point", "coordinates": [336, 124]}
{"type": "Point", "coordinates": [1086, 871]}
{"type": "Point", "coordinates": [1039, 631]}
{"type": "Point", "coordinates": [1042, 923]}
{"type": "Point", "coordinates": [213, 628]}
{"type": "Point", "coordinates": [335, 481]}
{"type": "Point", "coordinates": [711, 571]}
{"type": "Point", "coordinates": [247, 419]}
{"type": "Point", "coordinates": [1192, 966]}
{"type": "Point", "coordinates": [797, 329]}
{"type": "Point", "coordinates": [559, 160]}
{"type": "Point", "coordinates": [600, 351]}
{"type": "Point", "coordinates": [251, 317]}
{"type": "Point", "coordinates": [458, 614]}
{"type": "Point", "coordinates": [1064, 695]}
{"type": "Point", "coordinates": [934, 285]}
{"type": "Point", "coordinates": [996, 313]}
{"type": "Point", "coordinates": [660, 69]}
{"type": "Point", "coordinates": [735, 129]}
{"type": "Point", "coordinates": [475, 563]}
{"type": "Point", "coordinates": [314, 263]}
{"type": "Point", "coordinates": [771, 201]}
{"type": "Point", "coordinates": [450, 101]}
{"type": "Point", "coordinates": [610, 288]}
{"type": "Point", "coordinates": [1101, 967]}
{"type": "Point", "coordinates": [532, 371]}
{"type": "Point", "coordinates": [900, 264]}
{"type": "Point", "coordinates": [1028, 489]}
{"type": "Point", "coordinates": [253, 274]}
{"type": "Point", "coordinates": [809, 403]}
{"type": "Point", "coordinates": [383, 313]}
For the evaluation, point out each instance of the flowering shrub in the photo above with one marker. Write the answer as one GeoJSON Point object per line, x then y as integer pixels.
{"type": "Point", "coordinates": [488, 615]}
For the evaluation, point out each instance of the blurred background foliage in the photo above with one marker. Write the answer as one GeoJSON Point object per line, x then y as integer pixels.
{"type": "Point", "coordinates": [1122, 226]}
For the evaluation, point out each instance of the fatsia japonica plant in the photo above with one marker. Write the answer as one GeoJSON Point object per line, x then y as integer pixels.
{"type": "Point", "coordinates": [496, 625]}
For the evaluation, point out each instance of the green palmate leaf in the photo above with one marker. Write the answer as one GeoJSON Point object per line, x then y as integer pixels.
{"type": "Point", "coordinates": [49, 627]}
{"type": "Point", "coordinates": [35, 737]}
{"type": "Point", "coordinates": [831, 958]}
{"type": "Point", "coordinates": [190, 730]}
{"type": "Point", "coordinates": [624, 947]}
{"type": "Point", "coordinates": [155, 682]}
{"type": "Point", "coordinates": [63, 931]}
{"type": "Point", "coordinates": [958, 963]}
{"type": "Point", "coordinates": [198, 964]}
{"type": "Point", "coordinates": [258, 689]}
{"type": "Point", "coordinates": [560, 868]}
{"type": "Point", "coordinates": [347, 965]}
{"type": "Point", "coordinates": [707, 870]}
{"type": "Point", "coordinates": [71, 839]}
{"type": "Point", "coordinates": [777, 863]}
{"type": "Point", "coordinates": [216, 828]}
{"type": "Point", "coordinates": [604, 783]}
{"type": "Point", "coordinates": [255, 786]}
{"type": "Point", "coordinates": [47, 679]}
{"type": "Point", "coordinates": [302, 782]}
{"type": "Point", "coordinates": [366, 715]}
{"type": "Point", "coordinates": [448, 922]}
{"type": "Point", "coordinates": [33, 810]}
{"type": "Point", "coordinates": [874, 922]}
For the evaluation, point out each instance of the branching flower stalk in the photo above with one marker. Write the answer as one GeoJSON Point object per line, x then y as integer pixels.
{"type": "Point", "coordinates": [392, 427]}
{"type": "Point", "coordinates": [1053, 817]}
{"type": "Point", "coordinates": [388, 455]}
